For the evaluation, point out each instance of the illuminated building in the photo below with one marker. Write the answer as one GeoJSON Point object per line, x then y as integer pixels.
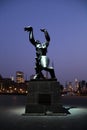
{"type": "Point", "coordinates": [19, 77]}
{"type": "Point", "coordinates": [70, 87]}
{"type": "Point", "coordinates": [76, 84]}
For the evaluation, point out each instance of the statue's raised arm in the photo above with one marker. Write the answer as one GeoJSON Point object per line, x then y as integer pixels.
{"type": "Point", "coordinates": [31, 35]}
{"type": "Point", "coordinates": [46, 36]}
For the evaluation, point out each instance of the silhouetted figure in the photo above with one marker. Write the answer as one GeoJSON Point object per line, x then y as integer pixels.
{"type": "Point", "coordinates": [42, 61]}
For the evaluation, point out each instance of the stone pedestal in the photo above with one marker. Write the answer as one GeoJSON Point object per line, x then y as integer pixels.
{"type": "Point", "coordinates": [44, 97]}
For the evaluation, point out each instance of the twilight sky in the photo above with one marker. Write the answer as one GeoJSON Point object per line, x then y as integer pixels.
{"type": "Point", "coordinates": [66, 22]}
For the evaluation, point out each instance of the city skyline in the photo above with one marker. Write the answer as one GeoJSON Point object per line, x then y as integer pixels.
{"type": "Point", "coordinates": [66, 22]}
{"type": "Point", "coordinates": [21, 77]}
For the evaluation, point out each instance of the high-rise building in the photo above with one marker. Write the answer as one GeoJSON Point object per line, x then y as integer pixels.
{"type": "Point", "coordinates": [76, 84]}
{"type": "Point", "coordinates": [70, 87]}
{"type": "Point", "coordinates": [19, 77]}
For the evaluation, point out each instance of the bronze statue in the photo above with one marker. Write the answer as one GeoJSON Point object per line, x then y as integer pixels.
{"type": "Point", "coordinates": [42, 61]}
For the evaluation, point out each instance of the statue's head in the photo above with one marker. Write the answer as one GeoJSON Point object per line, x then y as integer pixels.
{"type": "Point", "coordinates": [38, 43]}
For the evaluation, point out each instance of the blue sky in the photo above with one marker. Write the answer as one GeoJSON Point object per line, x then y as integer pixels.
{"type": "Point", "coordinates": [66, 22]}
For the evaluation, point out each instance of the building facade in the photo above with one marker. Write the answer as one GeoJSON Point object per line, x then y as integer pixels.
{"type": "Point", "coordinates": [19, 77]}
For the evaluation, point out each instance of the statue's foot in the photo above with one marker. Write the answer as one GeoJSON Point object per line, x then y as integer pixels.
{"type": "Point", "coordinates": [36, 76]}
{"type": "Point", "coordinates": [28, 28]}
{"type": "Point", "coordinates": [39, 76]}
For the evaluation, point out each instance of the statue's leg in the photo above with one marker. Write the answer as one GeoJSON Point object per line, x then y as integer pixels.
{"type": "Point", "coordinates": [38, 69]}
{"type": "Point", "coordinates": [51, 71]}
{"type": "Point", "coordinates": [31, 35]}
{"type": "Point", "coordinates": [39, 76]}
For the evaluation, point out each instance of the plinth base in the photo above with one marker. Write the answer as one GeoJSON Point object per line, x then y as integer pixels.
{"type": "Point", "coordinates": [44, 98]}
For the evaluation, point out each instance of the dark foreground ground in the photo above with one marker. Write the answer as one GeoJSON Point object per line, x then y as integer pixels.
{"type": "Point", "coordinates": [12, 109]}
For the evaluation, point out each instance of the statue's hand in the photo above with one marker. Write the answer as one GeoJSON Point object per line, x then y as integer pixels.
{"type": "Point", "coordinates": [28, 28]}
{"type": "Point", "coordinates": [43, 30]}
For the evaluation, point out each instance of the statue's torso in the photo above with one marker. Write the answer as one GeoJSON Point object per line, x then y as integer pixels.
{"type": "Point", "coordinates": [41, 51]}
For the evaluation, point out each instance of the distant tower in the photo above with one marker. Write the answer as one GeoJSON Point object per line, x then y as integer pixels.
{"type": "Point", "coordinates": [19, 77]}
{"type": "Point", "coordinates": [70, 87]}
{"type": "Point", "coordinates": [12, 78]}
{"type": "Point", "coordinates": [76, 84]}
